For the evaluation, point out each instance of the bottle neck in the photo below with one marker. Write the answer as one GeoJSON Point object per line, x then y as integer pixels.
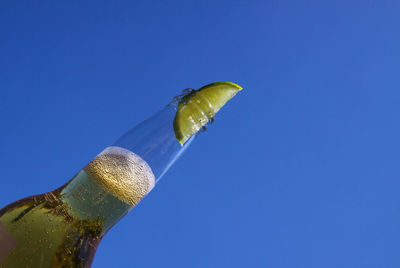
{"type": "Point", "coordinates": [118, 178]}
{"type": "Point", "coordinates": [155, 142]}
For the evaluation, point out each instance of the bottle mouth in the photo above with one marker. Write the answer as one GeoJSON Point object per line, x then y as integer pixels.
{"type": "Point", "coordinates": [202, 105]}
{"type": "Point", "coordinates": [196, 109]}
{"type": "Point", "coordinates": [181, 97]}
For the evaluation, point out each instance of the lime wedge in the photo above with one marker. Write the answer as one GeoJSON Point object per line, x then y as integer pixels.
{"type": "Point", "coordinates": [199, 106]}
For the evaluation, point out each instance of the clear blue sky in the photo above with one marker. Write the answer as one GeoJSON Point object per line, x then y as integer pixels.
{"type": "Point", "coordinates": [301, 169]}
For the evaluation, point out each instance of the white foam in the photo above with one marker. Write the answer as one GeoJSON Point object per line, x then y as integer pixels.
{"type": "Point", "coordinates": [123, 173]}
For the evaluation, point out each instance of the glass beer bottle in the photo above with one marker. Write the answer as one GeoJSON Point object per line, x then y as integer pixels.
{"type": "Point", "coordinates": [63, 228]}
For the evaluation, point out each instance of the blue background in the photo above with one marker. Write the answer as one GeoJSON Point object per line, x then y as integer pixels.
{"type": "Point", "coordinates": [301, 169]}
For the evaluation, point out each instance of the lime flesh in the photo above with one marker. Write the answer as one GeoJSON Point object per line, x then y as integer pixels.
{"type": "Point", "coordinates": [199, 106]}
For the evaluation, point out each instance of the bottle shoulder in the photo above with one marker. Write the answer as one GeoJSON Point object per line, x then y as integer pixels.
{"type": "Point", "coordinates": [47, 235]}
